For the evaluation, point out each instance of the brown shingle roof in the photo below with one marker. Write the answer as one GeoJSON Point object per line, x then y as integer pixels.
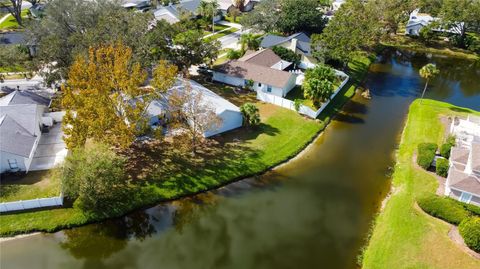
{"type": "Point", "coordinates": [265, 75]}
{"type": "Point", "coordinates": [464, 182]}
{"type": "Point", "coordinates": [264, 57]}
{"type": "Point", "coordinates": [476, 156]}
{"type": "Point", "coordinates": [459, 155]}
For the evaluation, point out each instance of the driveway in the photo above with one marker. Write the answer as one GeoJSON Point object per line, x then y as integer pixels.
{"type": "Point", "coordinates": [51, 150]}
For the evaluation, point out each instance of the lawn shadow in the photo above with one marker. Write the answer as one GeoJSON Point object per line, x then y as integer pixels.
{"type": "Point", "coordinates": [348, 118]}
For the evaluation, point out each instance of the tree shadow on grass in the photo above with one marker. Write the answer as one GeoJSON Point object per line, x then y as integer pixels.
{"type": "Point", "coordinates": [461, 110]}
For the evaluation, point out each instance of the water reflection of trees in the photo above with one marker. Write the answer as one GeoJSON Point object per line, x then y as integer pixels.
{"type": "Point", "coordinates": [455, 74]}
{"type": "Point", "coordinates": [100, 241]}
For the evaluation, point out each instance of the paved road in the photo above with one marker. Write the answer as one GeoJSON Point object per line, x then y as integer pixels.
{"type": "Point", "coordinates": [231, 40]}
{"type": "Point", "coordinates": [12, 38]}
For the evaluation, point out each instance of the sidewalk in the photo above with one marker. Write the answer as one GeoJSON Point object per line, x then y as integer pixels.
{"type": "Point", "coordinates": [4, 18]}
{"type": "Point", "coordinates": [231, 24]}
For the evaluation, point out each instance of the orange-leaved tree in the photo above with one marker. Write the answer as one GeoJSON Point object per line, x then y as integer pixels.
{"type": "Point", "coordinates": [104, 97]}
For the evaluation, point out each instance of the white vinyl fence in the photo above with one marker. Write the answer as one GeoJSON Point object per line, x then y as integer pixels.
{"type": "Point", "coordinates": [305, 110]}
{"type": "Point", "coordinates": [31, 204]}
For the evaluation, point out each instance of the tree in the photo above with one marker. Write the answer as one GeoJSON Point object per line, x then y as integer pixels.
{"type": "Point", "coordinates": [264, 17]}
{"type": "Point", "coordinates": [251, 115]}
{"type": "Point", "coordinates": [95, 178]}
{"type": "Point", "coordinates": [14, 7]}
{"type": "Point", "coordinates": [191, 49]}
{"type": "Point", "coordinates": [234, 13]}
{"type": "Point", "coordinates": [287, 55]}
{"type": "Point", "coordinates": [239, 4]}
{"type": "Point", "coordinates": [318, 85]}
{"type": "Point", "coordinates": [300, 15]}
{"type": "Point", "coordinates": [460, 15]}
{"type": "Point", "coordinates": [354, 27]}
{"type": "Point", "coordinates": [234, 54]}
{"type": "Point", "coordinates": [209, 9]}
{"type": "Point", "coordinates": [391, 12]}
{"type": "Point", "coordinates": [428, 72]}
{"type": "Point", "coordinates": [287, 16]}
{"type": "Point", "coordinates": [192, 113]}
{"type": "Point", "coordinates": [71, 27]}
{"type": "Point", "coordinates": [249, 41]}
{"type": "Point", "coordinates": [98, 96]}
{"type": "Point", "coordinates": [426, 34]}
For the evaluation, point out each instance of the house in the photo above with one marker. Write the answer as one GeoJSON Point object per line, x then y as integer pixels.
{"type": "Point", "coordinates": [463, 181]}
{"type": "Point", "coordinates": [336, 4]}
{"type": "Point", "coordinates": [299, 43]}
{"type": "Point", "coordinates": [136, 4]}
{"type": "Point", "coordinates": [173, 12]}
{"type": "Point", "coordinates": [261, 70]}
{"type": "Point", "coordinates": [230, 115]}
{"type": "Point", "coordinates": [419, 20]}
{"type": "Point", "coordinates": [20, 131]}
{"type": "Point", "coordinates": [24, 146]}
{"type": "Point", "coordinates": [226, 5]}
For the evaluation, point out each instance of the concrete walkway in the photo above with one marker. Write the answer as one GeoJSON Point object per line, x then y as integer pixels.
{"type": "Point", "coordinates": [231, 24]}
{"type": "Point", "coordinates": [4, 18]}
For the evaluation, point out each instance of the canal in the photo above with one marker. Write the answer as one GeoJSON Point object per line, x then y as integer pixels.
{"type": "Point", "coordinates": [313, 212]}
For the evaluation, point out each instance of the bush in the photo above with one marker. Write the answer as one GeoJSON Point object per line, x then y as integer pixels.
{"type": "Point", "coordinates": [251, 115]}
{"type": "Point", "coordinates": [426, 154]}
{"type": "Point", "coordinates": [443, 208]}
{"type": "Point", "coordinates": [234, 54]}
{"type": "Point", "coordinates": [442, 167]}
{"type": "Point", "coordinates": [447, 146]}
{"type": "Point", "coordinates": [470, 231]}
{"type": "Point", "coordinates": [95, 177]}
{"type": "Point", "coordinates": [475, 210]}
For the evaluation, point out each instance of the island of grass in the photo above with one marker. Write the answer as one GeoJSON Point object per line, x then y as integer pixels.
{"type": "Point", "coordinates": [404, 236]}
{"type": "Point", "coordinates": [242, 153]}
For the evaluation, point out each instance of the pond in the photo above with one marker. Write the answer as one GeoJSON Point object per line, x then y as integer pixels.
{"type": "Point", "coordinates": [313, 212]}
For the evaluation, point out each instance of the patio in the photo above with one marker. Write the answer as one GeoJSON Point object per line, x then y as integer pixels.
{"type": "Point", "coordinates": [51, 150]}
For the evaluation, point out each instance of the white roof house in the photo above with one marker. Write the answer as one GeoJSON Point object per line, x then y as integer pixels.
{"type": "Point", "coordinates": [231, 117]}
{"type": "Point", "coordinates": [419, 20]}
{"type": "Point", "coordinates": [463, 181]}
{"type": "Point", "coordinates": [337, 4]}
{"type": "Point", "coordinates": [172, 12]}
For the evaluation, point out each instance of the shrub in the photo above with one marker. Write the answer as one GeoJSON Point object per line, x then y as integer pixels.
{"type": "Point", "coordinates": [95, 177]}
{"type": "Point", "coordinates": [470, 231]}
{"type": "Point", "coordinates": [475, 210]}
{"type": "Point", "coordinates": [447, 146]}
{"type": "Point", "coordinates": [287, 55]}
{"type": "Point", "coordinates": [234, 54]}
{"type": "Point", "coordinates": [443, 208]}
{"type": "Point", "coordinates": [426, 154]}
{"type": "Point", "coordinates": [442, 167]}
{"type": "Point", "coordinates": [251, 116]}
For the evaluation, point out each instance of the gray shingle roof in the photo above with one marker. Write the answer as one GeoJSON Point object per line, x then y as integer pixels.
{"type": "Point", "coordinates": [23, 98]}
{"type": "Point", "coordinates": [14, 138]}
{"type": "Point", "coordinates": [274, 40]}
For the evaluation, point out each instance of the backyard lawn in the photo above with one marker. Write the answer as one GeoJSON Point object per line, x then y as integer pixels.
{"type": "Point", "coordinates": [35, 184]}
{"type": "Point", "coordinates": [405, 236]}
{"type": "Point", "coordinates": [171, 174]}
{"type": "Point", "coordinates": [222, 34]}
{"type": "Point", "coordinates": [10, 23]}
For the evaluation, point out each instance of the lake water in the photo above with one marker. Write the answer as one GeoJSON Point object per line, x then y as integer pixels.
{"type": "Point", "coordinates": [313, 212]}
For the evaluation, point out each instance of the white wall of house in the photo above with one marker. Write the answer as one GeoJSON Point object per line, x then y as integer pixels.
{"type": "Point", "coordinates": [224, 78]}
{"type": "Point", "coordinates": [230, 120]}
{"type": "Point", "coordinates": [6, 156]}
{"type": "Point", "coordinates": [414, 29]}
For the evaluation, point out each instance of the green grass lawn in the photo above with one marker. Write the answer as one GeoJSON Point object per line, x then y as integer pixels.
{"type": "Point", "coordinates": [10, 23]}
{"type": "Point", "coordinates": [222, 34]}
{"type": "Point", "coordinates": [438, 47]}
{"type": "Point", "coordinates": [35, 184]}
{"type": "Point", "coordinates": [237, 154]}
{"type": "Point", "coordinates": [230, 19]}
{"type": "Point", "coordinates": [404, 236]}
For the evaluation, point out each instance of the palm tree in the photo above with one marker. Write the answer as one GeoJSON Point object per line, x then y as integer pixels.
{"type": "Point", "coordinates": [428, 72]}
{"type": "Point", "coordinates": [208, 8]}
{"type": "Point", "coordinates": [248, 41]}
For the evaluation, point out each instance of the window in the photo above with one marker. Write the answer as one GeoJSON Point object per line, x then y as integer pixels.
{"type": "Point", "coordinates": [259, 84]}
{"type": "Point", "coordinates": [269, 88]}
{"type": "Point", "coordinates": [13, 164]}
{"type": "Point", "coordinates": [465, 197]}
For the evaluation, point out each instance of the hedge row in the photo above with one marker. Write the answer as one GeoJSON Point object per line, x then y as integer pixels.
{"type": "Point", "coordinates": [447, 146]}
{"type": "Point", "coordinates": [443, 208]}
{"type": "Point", "coordinates": [470, 231]}
{"type": "Point", "coordinates": [442, 167]}
{"type": "Point", "coordinates": [426, 154]}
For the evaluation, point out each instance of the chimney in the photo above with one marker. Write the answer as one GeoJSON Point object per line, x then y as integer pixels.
{"type": "Point", "coordinates": [293, 45]}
